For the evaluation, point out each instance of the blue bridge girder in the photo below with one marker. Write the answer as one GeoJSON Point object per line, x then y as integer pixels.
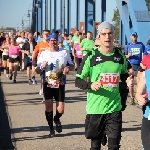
{"type": "Point", "coordinates": [65, 15]}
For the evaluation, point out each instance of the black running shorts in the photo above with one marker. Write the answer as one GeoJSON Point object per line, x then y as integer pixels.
{"type": "Point", "coordinates": [57, 93]}
{"type": "Point", "coordinates": [14, 60]}
{"type": "Point", "coordinates": [145, 133]}
{"type": "Point", "coordinates": [5, 57]}
{"type": "Point", "coordinates": [97, 124]}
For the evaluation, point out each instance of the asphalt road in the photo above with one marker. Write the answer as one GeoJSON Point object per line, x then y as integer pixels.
{"type": "Point", "coordinates": [23, 124]}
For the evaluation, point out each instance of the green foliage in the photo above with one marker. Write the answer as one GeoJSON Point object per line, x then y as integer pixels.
{"type": "Point", "coordinates": [148, 4]}
{"type": "Point", "coordinates": [116, 22]}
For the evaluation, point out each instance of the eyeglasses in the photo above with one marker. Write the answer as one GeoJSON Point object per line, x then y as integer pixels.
{"type": "Point", "coordinates": [104, 34]}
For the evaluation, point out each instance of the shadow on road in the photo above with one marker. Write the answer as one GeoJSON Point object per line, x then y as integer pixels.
{"type": "Point", "coordinates": [46, 128]}
{"type": "Point", "coordinates": [12, 94]}
{"type": "Point", "coordinates": [131, 129]}
{"type": "Point", "coordinates": [33, 101]}
{"type": "Point", "coordinates": [5, 129]}
{"type": "Point", "coordinates": [75, 99]}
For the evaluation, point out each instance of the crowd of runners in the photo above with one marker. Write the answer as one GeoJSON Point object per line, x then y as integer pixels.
{"type": "Point", "coordinates": [106, 71]}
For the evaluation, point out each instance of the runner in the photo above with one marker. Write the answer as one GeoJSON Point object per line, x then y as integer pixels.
{"type": "Point", "coordinates": [41, 46]}
{"type": "Point", "coordinates": [2, 39]}
{"type": "Point", "coordinates": [13, 59]}
{"type": "Point", "coordinates": [147, 48]}
{"type": "Point", "coordinates": [27, 49]}
{"type": "Point", "coordinates": [20, 41]}
{"type": "Point", "coordinates": [68, 44]}
{"type": "Point", "coordinates": [40, 39]}
{"type": "Point", "coordinates": [134, 51]}
{"type": "Point", "coordinates": [60, 45]}
{"type": "Point", "coordinates": [75, 39]}
{"type": "Point", "coordinates": [54, 63]}
{"type": "Point", "coordinates": [77, 53]}
{"type": "Point", "coordinates": [87, 44]}
{"type": "Point", "coordinates": [5, 47]}
{"type": "Point", "coordinates": [103, 98]}
{"type": "Point", "coordinates": [143, 99]}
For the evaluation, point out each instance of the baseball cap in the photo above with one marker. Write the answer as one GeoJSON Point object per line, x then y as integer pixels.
{"type": "Point", "coordinates": [134, 33]}
{"type": "Point", "coordinates": [105, 25]}
{"type": "Point", "coordinates": [52, 37]}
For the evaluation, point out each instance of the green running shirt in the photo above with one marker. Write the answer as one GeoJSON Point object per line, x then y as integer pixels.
{"type": "Point", "coordinates": [87, 44]}
{"type": "Point", "coordinates": [105, 68]}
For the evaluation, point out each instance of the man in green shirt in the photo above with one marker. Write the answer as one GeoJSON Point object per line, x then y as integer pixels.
{"type": "Point", "coordinates": [105, 66]}
{"type": "Point", "coordinates": [87, 44]}
{"type": "Point", "coordinates": [75, 38]}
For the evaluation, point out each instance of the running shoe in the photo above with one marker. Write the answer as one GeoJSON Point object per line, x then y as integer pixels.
{"type": "Point", "coordinates": [52, 132]}
{"type": "Point", "coordinates": [14, 81]}
{"type": "Point", "coordinates": [34, 81]}
{"type": "Point", "coordinates": [132, 101]}
{"type": "Point", "coordinates": [10, 78]}
{"type": "Point", "coordinates": [29, 82]}
{"type": "Point", "coordinates": [58, 126]}
{"type": "Point", "coordinates": [43, 101]}
{"type": "Point", "coordinates": [4, 71]}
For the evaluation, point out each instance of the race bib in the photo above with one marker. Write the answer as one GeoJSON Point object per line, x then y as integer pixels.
{"type": "Point", "coordinates": [135, 51]}
{"type": "Point", "coordinates": [109, 79]}
{"type": "Point", "coordinates": [13, 56]}
{"type": "Point", "coordinates": [79, 53]}
{"type": "Point", "coordinates": [53, 83]}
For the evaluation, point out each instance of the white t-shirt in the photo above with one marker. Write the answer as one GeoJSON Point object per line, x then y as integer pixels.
{"type": "Point", "coordinates": [56, 62]}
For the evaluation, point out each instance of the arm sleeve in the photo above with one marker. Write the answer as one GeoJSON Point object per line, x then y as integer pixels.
{"type": "Point", "coordinates": [82, 84]}
{"type": "Point", "coordinates": [126, 50]}
{"type": "Point", "coordinates": [82, 73]}
{"type": "Point", "coordinates": [124, 73]}
{"type": "Point", "coordinates": [124, 66]}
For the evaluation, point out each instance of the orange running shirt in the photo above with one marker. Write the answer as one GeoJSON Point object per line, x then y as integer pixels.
{"type": "Point", "coordinates": [40, 47]}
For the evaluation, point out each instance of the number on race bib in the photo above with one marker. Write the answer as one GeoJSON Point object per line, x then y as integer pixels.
{"type": "Point", "coordinates": [109, 80]}
{"type": "Point", "coordinates": [53, 83]}
{"type": "Point", "coordinates": [79, 53]}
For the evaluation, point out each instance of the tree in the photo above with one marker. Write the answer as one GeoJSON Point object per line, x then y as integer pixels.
{"type": "Point", "coordinates": [116, 22]}
{"type": "Point", "coordinates": [148, 4]}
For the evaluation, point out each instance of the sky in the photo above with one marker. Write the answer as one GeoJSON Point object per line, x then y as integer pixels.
{"type": "Point", "coordinates": [12, 11]}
